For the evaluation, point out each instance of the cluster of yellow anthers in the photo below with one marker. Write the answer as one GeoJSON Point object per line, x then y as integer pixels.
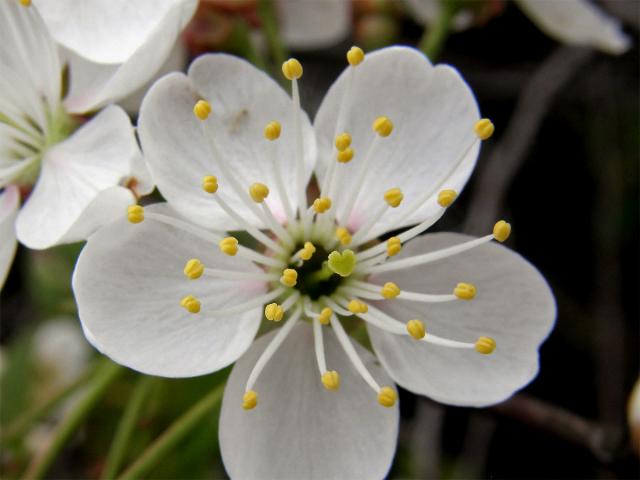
{"type": "Point", "coordinates": [298, 242]}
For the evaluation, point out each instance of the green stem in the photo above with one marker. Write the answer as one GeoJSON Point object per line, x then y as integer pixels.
{"type": "Point", "coordinates": [22, 424]}
{"type": "Point", "coordinates": [434, 37]}
{"type": "Point", "coordinates": [173, 435]}
{"type": "Point", "coordinates": [126, 427]}
{"type": "Point", "coordinates": [242, 43]}
{"type": "Point", "coordinates": [321, 275]}
{"type": "Point", "coordinates": [72, 420]}
{"type": "Point", "coordinates": [270, 28]}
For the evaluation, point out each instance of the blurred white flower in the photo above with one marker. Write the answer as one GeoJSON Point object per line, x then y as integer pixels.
{"type": "Point", "coordinates": [60, 351]}
{"type": "Point", "coordinates": [76, 169]}
{"type": "Point", "coordinates": [575, 22]}
{"type": "Point", "coordinates": [393, 144]}
{"type": "Point", "coordinates": [314, 24]}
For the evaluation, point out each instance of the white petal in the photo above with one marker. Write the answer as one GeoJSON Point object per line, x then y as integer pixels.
{"type": "Point", "coordinates": [95, 84]}
{"type": "Point", "coordinates": [29, 61]}
{"type": "Point", "coordinates": [74, 172]}
{"type": "Point", "coordinates": [299, 429]}
{"type": "Point", "coordinates": [243, 100]}
{"type": "Point", "coordinates": [110, 31]}
{"type": "Point", "coordinates": [128, 284]}
{"type": "Point", "coordinates": [9, 203]}
{"type": "Point", "coordinates": [433, 111]}
{"type": "Point", "coordinates": [308, 25]}
{"type": "Point", "coordinates": [514, 306]}
{"type": "Point", "coordinates": [577, 22]}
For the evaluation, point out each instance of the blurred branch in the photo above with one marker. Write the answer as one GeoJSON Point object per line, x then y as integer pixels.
{"type": "Point", "coordinates": [173, 435]}
{"type": "Point", "coordinates": [72, 420]}
{"type": "Point", "coordinates": [606, 443]}
{"type": "Point", "coordinates": [507, 156]}
{"type": "Point", "coordinates": [279, 54]}
{"type": "Point", "coordinates": [126, 426]}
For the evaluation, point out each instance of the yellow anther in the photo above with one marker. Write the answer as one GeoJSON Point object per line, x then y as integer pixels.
{"type": "Point", "coordinates": [343, 141]}
{"type": "Point", "coordinates": [307, 251]}
{"type": "Point", "coordinates": [229, 246]}
{"type": "Point", "coordinates": [135, 213]}
{"type": "Point", "coordinates": [191, 304]}
{"type": "Point", "coordinates": [383, 126]}
{"type": "Point", "coordinates": [501, 231]}
{"type": "Point", "coordinates": [289, 277]}
{"type": "Point", "coordinates": [325, 316]}
{"type": "Point", "coordinates": [258, 192]}
{"type": "Point", "coordinates": [485, 345]}
{"type": "Point", "coordinates": [343, 235]}
{"type": "Point", "coordinates": [357, 306]}
{"type": "Point", "coordinates": [390, 290]}
{"type": "Point", "coordinates": [393, 197]}
{"type": "Point", "coordinates": [387, 397]}
{"type": "Point", "coordinates": [416, 329]}
{"type": "Point", "coordinates": [210, 184]}
{"type": "Point", "coordinates": [25, 3]}
{"type": "Point", "coordinates": [447, 197]}
{"type": "Point", "coordinates": [345, 156]}
{"type": "Point", "coordinates": [484, 128]}
{"type": "Point", "coordinates": [464, 291]}
{"type": "Point", "coordinates": [272, 130]}
{"type": "Point", "coordinates": [355, 56]}
{"type": "Point", "coordinates": [249, 400]}
{"type": "Point", "coordinates": [394, 245]}
{"type": "Point", "coordinates": [202, 109]}
{"type": "Point", "coordinates": [321, 205]}
{"type": "Point", "coordinates": [292, 69]}
{"type": "Point", "coordinates": [331, 380]}
{"type": "Point", "coordinates": [193, 269]}
{"type": "Point", "coordinates": [273, 312]}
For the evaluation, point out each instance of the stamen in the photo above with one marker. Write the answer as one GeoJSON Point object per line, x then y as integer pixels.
{"type": "Point", "coordinates": [25, 3]}
{"type": "Point", "coordinates": [210, 184]}
{"type": "Point", "coordinates": [355, 56]}
{"type": "Point", "coordinates": [289, 277]}
{"type": "Point", "coordinates": [393, 198]}
{"type": "Point", "coordinates": [501, 231]}
{"type": "Point", "coordinates": [387, 397]}
{"type": "Point", "coordinates": [335, 307]}
{"type": "Point", "coordinates": [321, 205]}
{"type": "Point", "coordinates": [193, 269]}
{"type": "Point", "coordinates": [465, 291]}
{"type": "Point", "coordinates": [202, 109]}
{"type": "Point", "coordinates": [331, 380]}
{"type": "Point", "coordinates": [356, 306]}
{"type": "Point", "coordinates": [325, 316]}
{"type": "Point", "coordinates": [394, 245]}
{"type": "Point", "coordinates": [485, 345]}
{"type": "Point", "coordinates": [292, 69]}
{"type": "Point", "coordinates": [343, 141]}
{"type": "Point", "coordinates": [307, 251]}
{"type": "Point", "coordinates": [345, 156]}
{"type": "Point", "coordinates": [135, 213]}
{"type": "Point", "coordinates": [429, 257]}
{"type": "Point", "coordinates": [383, 127]}
{"type": "Point", "coordinates": [249, 400]}
{"type": "Point", "coordinates": [273, 312]}
{"type": "Point", "coordinates": [208, 236]}
{"type": "Point", "coordinates": [272, 132]}
{"type": "Point", "coordinates": [343, 235]}
{"type": "Point", "coordinates": [447, 197]}
{"type": "Point", "coordinates": [484, 128]}
{"type": "Point", "coordinates": [390, 290]}
{"type": "Point", "coordinates": [191, 304]}
{"type": "Point", "coordinates": [229, 246]}
{"type": "Point", "coordinates": [253, 231]}
{"type": "Point", "coordinates": [258, 192]}
{"type": "Point", "coordinates": [416, 329]}
{"type": "Point", "coordinates": [272, 348]}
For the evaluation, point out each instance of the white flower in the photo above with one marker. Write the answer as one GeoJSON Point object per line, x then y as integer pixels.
{"type": "Point", "coordinates": [77, 173]}
{"type": "Point", "coordinates": [174, 295]}
{"type": "Point", "coordinates": [314, 24]}
{"type": "Point", "coordinates": [575, 22]}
